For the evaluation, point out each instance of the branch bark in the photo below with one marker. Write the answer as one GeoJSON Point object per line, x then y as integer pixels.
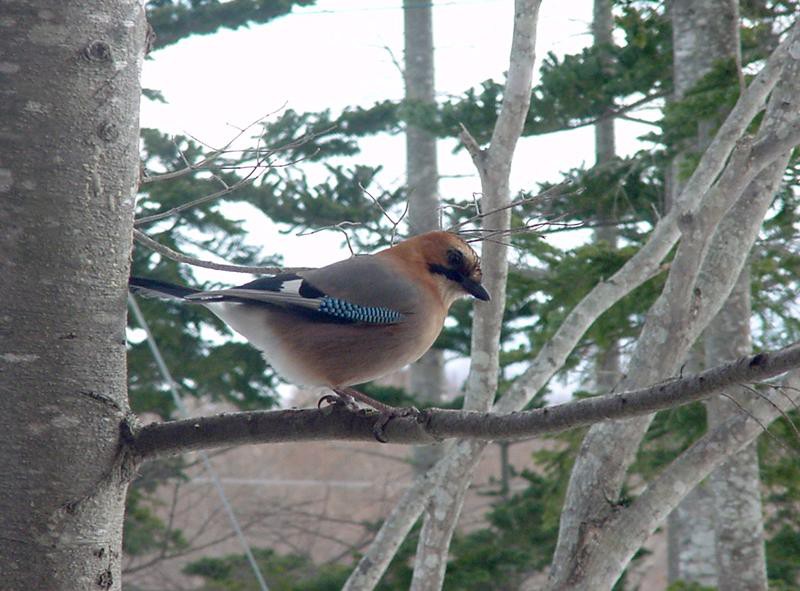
{"type": "Point", "coordinates": [704, 33]}
{"type": "Point", "coordinates": [335, 423]}
{"type": "Point", "coordinates": [625, 532]}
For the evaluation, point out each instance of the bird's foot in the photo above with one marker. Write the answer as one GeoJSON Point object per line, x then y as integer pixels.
{"type": "Point", "coordinates": [386, 411]}
{"type": "Point", "coordinates": [387, 415]}
{"type": "Point", "coordinates": [339, 399]}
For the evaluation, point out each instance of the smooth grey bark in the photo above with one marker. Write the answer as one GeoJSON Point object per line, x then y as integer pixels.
{"type": "Point", "coordinates": [422, 180]}
{"type": "Point", "coordinates": [602, 35]}
{"type": "Point", "coordinates": [607, 361]}
{"type": "Point", "coordinates": [69, 75]}
{"type": "Point", "coordinates": [422, 172]}
{"type": "Point", "coordinates": [735, 487]}
{"type": "Point", "coordinates": [704, 33]}
{"type": "Point", "coordinates": [691, 552]}
{"type": "Point", "coordinates": [427, 384]}
{"type": "Point", "coordinates": [494, 167]}
{"type": "Point", "coordinates": [716, 236]}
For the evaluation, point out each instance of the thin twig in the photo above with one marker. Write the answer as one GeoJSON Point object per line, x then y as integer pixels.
{"type": "Point", "coordinates": [395, 62]}
{"type": "Point", "coordinates": [144, 239]}
{"type": "Point", "coordinates": [262, 163]}
{"type": "Point", "coordinates": [554, 191]}
{"type": "Point", "coordinates": [216, 153]}
{"type": "Point", "coordinates": [385, 213]}
{"type": "Point", "coordinates": [753, 417]}
{"type": "Point", "coordinates": [340, 227]}
{"type": "Point", "coordinates": [776, 407]}
{"type": "Point", "coordinates": [471, 144]}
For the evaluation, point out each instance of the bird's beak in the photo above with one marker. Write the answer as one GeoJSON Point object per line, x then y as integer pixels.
{"type": "Point", "coordinates": [476, 289]}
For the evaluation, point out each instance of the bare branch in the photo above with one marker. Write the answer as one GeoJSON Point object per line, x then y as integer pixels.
{"type": "Point", "coordinates": [471, 144]}
{"type": "Point", "coordinates": [227, 189]}
{"type": "Point", "coordinates": [175, 437]}
{"type": "Point", "coordinates": [628, 529]}
{"type": "Point", "coordinates": [261, 163]}
{"type": "Point", "coordinates": [209, 159]}
{"type": "Point", "coordinates": [144, 239]}
{"type": "Point", "coordinates": [340, 227]}
{"type": "Point", "coordinates": [392, 221]}
{"type": "Point", "coordinates": [554, 191]}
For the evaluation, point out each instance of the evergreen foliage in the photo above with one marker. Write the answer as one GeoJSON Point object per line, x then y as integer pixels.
{"type": "Point", "coordinates": [173, 20]}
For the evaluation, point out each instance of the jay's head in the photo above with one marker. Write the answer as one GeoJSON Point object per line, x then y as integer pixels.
{"type": "Point", "coordinates": [449, 263]}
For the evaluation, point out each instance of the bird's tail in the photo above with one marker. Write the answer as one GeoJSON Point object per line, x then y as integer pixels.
{"type": "Point", "coordinates": [159, 289]}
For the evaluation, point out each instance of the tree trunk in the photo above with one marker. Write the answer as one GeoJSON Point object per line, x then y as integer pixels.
{"type": "Point", "coordinates": [690, 539]}
{"type": "Point", "coordinates": [68, 176]}
{"type": "Point", "coordinates": [607, 363]}
{"type": "Point", "coordinates": [422, 181]}
{"type": "Point", "coordinates": [735, 487]}
{"type": "Point", "coordinates": [704, 33]}
{"type": "Point", "coordinates": [422, 172]}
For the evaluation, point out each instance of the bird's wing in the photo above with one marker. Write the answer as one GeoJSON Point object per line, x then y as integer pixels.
{"type": "Point", "coordinates": [367, 281]}
{"type": "Point", "coordinates": [332, 294]}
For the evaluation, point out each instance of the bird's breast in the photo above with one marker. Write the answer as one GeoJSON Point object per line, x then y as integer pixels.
{"type": "Point", "coordinates": [307, 352]}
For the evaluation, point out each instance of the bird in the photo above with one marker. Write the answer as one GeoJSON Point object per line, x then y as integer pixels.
{"type": "Point", "coordinates": [350, 322]}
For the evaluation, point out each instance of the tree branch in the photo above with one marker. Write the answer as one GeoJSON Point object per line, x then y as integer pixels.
{"type": "Point", "coordinates": [628, 530]}
{"type": "Point", "coordinates": [494, 167]}
{"type": "Point", "coordinates": [675, 320]}
{"type": "Point", "coordinates": [334, 423]}
{"type": "Point", "coordinates": [144, 239]}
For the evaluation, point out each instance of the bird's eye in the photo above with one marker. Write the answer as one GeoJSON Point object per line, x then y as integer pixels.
{"type": "Point", "coordinates": [455, 258]}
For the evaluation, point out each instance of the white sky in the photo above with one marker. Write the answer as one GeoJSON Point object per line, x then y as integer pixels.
{"type": "Point", "coordinates": [336, 54]}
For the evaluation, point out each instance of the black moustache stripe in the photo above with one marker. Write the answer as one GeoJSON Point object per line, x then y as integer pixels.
{"type": "Point", "coordinates": [451, 274]}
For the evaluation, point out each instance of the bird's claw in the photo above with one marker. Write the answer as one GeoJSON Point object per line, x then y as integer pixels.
{"type": "Point", "coordinates": [338, 400]}
{"type": "Point", "coordinates": [388, 415]}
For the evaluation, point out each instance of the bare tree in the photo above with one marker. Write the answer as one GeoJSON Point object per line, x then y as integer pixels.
{"type": "Point", "coordinates": [494, 167]}
{"type": "Point", "coordinates": [716, 235]}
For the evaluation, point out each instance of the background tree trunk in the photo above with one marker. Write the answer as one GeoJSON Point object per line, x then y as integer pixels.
{"type": "Point", "coordinates": [607, 363]}
{"type": "Point", "coordinates": [704, 34]}
{"type": "Point", "coordinates": [735, 487]}
{"type": "Point", "coordinates": [68, 177]}
{"type": "Point", "coordinates": [422, 180]}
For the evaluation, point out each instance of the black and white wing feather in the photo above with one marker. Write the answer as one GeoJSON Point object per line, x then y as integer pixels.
{"type": "Point", "coordinates": [297, 293]}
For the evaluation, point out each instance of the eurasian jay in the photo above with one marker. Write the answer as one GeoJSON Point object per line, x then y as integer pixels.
{"type": "Point", "coordinates": [352, 321]}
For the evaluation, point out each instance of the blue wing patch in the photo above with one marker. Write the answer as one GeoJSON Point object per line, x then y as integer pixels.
{"type": "Point", "coordinates": [344, 310]}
